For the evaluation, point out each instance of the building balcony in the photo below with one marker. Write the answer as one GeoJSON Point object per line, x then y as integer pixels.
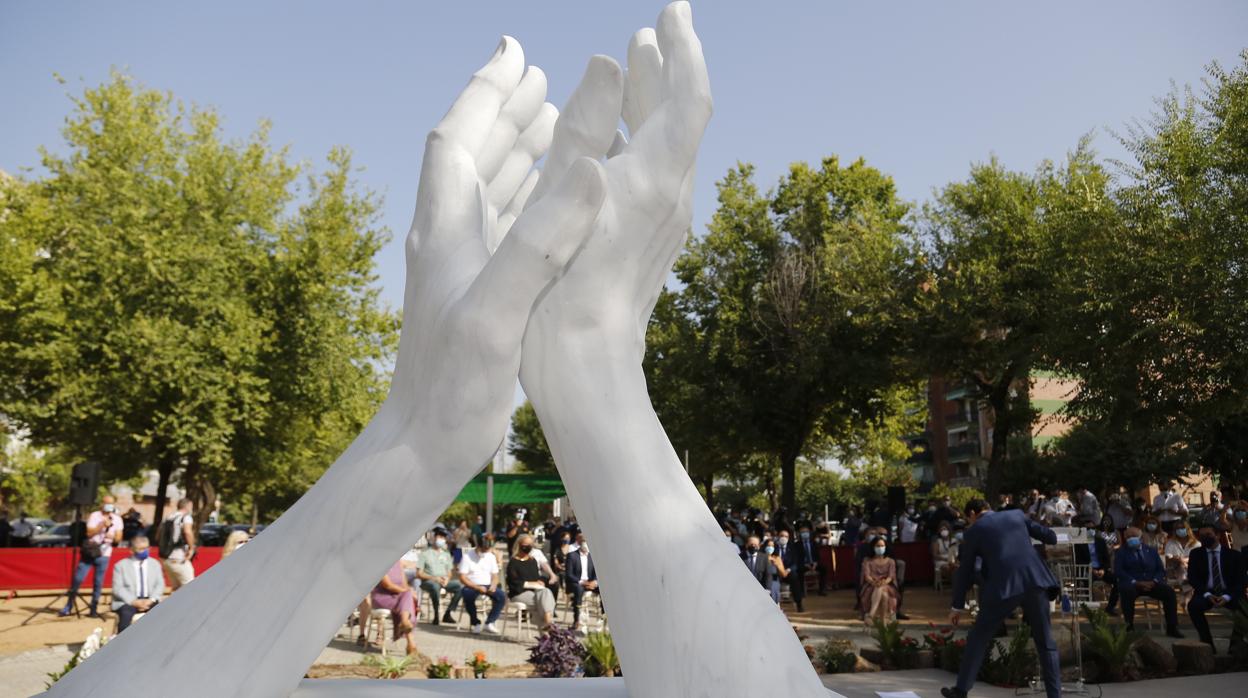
{"type": "Point", "coordinates": [964, 452]}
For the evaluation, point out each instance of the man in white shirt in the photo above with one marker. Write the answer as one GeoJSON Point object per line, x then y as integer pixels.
{"type": "Point", "coordinates": [1058, 511]}
{"type": "Point", "coordinates": [1168, 506]}
{"type": "Point", "coordinates": [103, 532]}
{"type": "Point", "coordinates": [581, 578]}
{"type": "Point", "coordinates": [478, 571]}
{"type": "Point", "coordinates": [137, 583]}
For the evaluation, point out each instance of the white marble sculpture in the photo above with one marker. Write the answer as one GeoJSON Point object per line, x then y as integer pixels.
{"type": "Point", "coordinates": [489, 235]}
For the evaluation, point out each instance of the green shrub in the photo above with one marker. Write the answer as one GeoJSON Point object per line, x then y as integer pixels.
{"type": "Point", "coordinates": [388, 667]}
{"type": "Point", "coordinates": [1012, 664]}
{"type": "Point", "coordinates": [899, 650]}
{"type": "Point", "coordinates": [837, 656]}
{"type": "Point", "coordinates": [600, 656]}
{"type": "Point", "coordinates": [1110, 647]}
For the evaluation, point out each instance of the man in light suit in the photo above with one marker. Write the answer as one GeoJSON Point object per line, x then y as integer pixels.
{"type": "Point", "coordinates": [1013, 576]}
{"type": "Point", "coordinates": [137, 583]}
{"type": "Point", "coordinates": [1217, 576]}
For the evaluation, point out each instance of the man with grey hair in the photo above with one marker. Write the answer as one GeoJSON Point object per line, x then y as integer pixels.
{"type": "Point", "coordinates": [137, 583]}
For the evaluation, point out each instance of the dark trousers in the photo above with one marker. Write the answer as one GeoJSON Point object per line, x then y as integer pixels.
{"type": "Point", "coordinates": [435, 602]}
{"type": "Point", "coordinates": [577, 595]}
{"type": "Point", "coordinates": [125, 616]}
{"type": "Point", "coordinates": [1035, 604]}
{"type": "Point", "coordinates": [1161, 592]}
{"type": "Point", "coordinates": [1112, 582]}
{"type": "Point", "coordinates": [1199, 606]}
{"type": "Point", "coordinates": [100, 565]}
{"type": "Point", "coordinates": [499, 597]}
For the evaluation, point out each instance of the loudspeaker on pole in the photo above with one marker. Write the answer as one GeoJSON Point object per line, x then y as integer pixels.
{"type": "Point", "coordinates": [84, 483]}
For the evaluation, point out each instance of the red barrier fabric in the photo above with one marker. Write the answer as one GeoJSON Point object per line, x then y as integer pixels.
{"type": "Point", "coordinates": [839, 560]}
{"type": "Point", "coordinates": [52, 568]}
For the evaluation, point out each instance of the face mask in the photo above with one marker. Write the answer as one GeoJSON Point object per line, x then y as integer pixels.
{"type": "Point", "coordinates": [958, 536]}
{"type": "Point", "coordinates": [1241, 515]}
{"type": "Point", "coordinates": [784, 540]}
{"type": "Point", "coordinates": [1151, 527]}
{"type": "Point", "coordinates": [805, 535]}
{"type": "Point", "coordinates": [441, 542]}
{"type": "Point", "coordinates": [108, 508]}
{"type": "Point", "coordinates": [879, 550]}
{"type": "Point", "coordinates": [752, 548]}
{"type": "Point", "coordinates": [770, 549]}
{"type": "Point", "coordinates": [519, 517]}
{"type": "Point", "coordinates": [1133, 542]}
{"type": "Point", "coordinates": [931, 508]}
{"type": "Point", "coordinates": [1180, 532]}
{"type": "Point", "coordinates": [565, 541]}
{"type": "Point", "coordinates": [910, 510]}
{"type": "Point", "coordinates": [1208, 542]}
{"type": "Point", "coordinates": [526, 549]}
{"type": "Point", "coordinates": [944, 533]}
{"type": "Point", "coordinates": [142, 554]}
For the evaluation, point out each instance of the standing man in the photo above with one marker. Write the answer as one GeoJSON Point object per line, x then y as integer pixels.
{"type": "Point", "coordinates": [103, 532]}
{"type": "Point", "coordinates": [177, 545]}
{"type": "Point", "coordinates": [137, 583]}
{"type": "Point", "coordinates": [1013, 576]}
{"type": "Point", "coordinates": [1089, 508]}
{"type": "Point", "coordinates": [1217, 576]}
{"type": "Point", "coordinates": [21, 532]}
{"type": "Point", "coordinates": [1168, 506]}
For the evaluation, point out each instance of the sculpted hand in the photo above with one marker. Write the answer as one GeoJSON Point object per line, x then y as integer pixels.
{"type": "Point", "coordinates": [689, 619]}
{"type": "Point", "coordinates": [237, 630]}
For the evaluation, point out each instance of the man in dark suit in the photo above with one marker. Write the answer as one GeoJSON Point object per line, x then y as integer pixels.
{"type": "Point", "coordinates": [580, 577]}
{"type": "Point", "coordinates": [805, 561]}
{"type": "Point", "coordinates": [1218, 577]}
{"type": "Point", "coordinates": [1013, 576]}
{"type": "Point", "coordinates": [1096, 555]}
{"type": "Point", "coordinates": [1140, 572]}
{"type": "Point", "coordinates": [757, 562]}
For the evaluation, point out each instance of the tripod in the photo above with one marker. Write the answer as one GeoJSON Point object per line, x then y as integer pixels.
{"type": "Point", "coordinates": [75, 541]}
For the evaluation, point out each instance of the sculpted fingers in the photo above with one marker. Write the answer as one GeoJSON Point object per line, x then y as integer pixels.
{"type": "Point", "coordinates": [534, 253]}
{"type": "Point", "coordinates": [644, 87]}
{"type": "Point", "coordinates": [515, 117]}
{"type": "Point", "coordinates": [471, 117]}
{"type": "Point", "coordinates": [586, 127]}
{"type": "Point", "coordinates": [509, 215]}
{"type": "Point", "coordinates": [529, 148]}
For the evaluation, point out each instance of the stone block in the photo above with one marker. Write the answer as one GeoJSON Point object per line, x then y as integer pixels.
{"type": "Point", "coordinates": [1193, 657]}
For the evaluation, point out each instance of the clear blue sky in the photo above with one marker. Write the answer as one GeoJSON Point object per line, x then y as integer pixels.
{"type": "Point", "coordinates": [920, 89]}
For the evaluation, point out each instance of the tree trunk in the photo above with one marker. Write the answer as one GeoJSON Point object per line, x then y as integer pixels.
{"type": "Point", "coordinates": [709, 484]}
{"type": "Point", "coordinates": [1002, 426]}
{"type": "Point", "coordinates": [165, 468]}
{"type": "Point", "coordinates": [199, 489]}
{"type": "Point", "coordinates": [788, 481]}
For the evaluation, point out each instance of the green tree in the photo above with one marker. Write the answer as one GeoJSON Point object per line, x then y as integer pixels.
{"type": "Point", "coordinates": [527, 442]}
{"type": "Point", "coordinates": [801, 296]}
{"type": "Point", "coordinates": [159, 321]}
{"type": "Point", "coordinates": [990, 293]}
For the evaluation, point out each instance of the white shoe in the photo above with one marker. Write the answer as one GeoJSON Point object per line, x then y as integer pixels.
{"type": "Point", "coordinates": [492, 629]}
{"type": "Point", "coordinates": [476, 629]}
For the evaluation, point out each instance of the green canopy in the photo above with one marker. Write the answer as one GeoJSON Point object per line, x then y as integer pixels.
{"type": "Point", "coordinates": [514, 489]}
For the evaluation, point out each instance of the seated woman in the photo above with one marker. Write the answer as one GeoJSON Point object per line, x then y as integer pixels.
{"type": "Point", "coordinates": [395, 595]}
{"type": "Point", "coordinates": [777, 569]}
{"type": "Point", "coordinates": [878, 589]}
{"type": "Point", "coordinates": [1152, 535]}
{"type": "Point", "coordinates": [945, 550]}
{"type": "Point", "coordinates": [1174, 555]}
{"type": "Point", "coordinates": [525, 583]}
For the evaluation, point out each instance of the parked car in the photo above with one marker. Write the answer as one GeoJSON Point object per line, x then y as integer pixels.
{"type": "Point", "coordinates": [57, 536]}
{"type": "Point", "coordinates": [213, 534]}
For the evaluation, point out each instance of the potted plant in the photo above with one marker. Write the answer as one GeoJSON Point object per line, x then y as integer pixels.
{"type": "Point", "coordinates": [440, 669]}
{"type": "Point", "coordinates": [557, 654]}
{"type": "Point", "coordinates": [479, 664]}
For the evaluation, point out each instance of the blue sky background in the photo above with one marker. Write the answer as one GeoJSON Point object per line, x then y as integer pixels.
{"type": "Point", "coordinates": [920, 89]}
